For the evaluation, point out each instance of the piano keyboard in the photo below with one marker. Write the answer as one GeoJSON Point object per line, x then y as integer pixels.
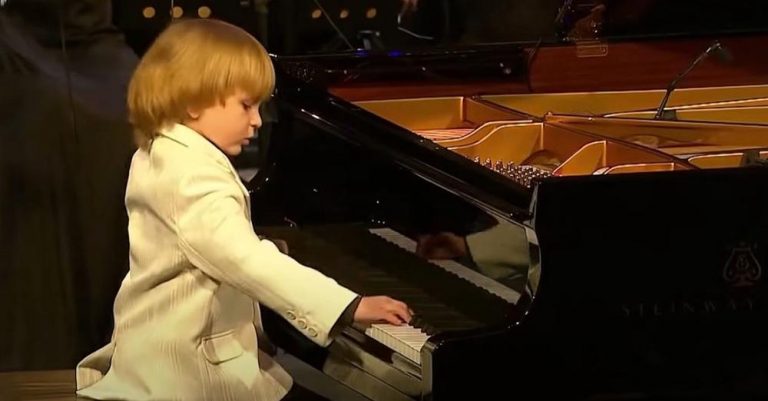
{"type": "Point", "coordinates": [405, 340]}
{"type": "Point", "coordinates": [445, 295]}
{"type": "Point", "coordinates": [463, 272]}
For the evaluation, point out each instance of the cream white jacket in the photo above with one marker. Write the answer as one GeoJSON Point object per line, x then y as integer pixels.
{"type": "Point", "coordinates": [187, 321]}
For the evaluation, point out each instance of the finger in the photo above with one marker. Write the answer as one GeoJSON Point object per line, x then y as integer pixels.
{"type": "Point", "coordinates": [399, 308]}
{"type": "Point", "coordinates": [404, 307]}
{"type": "Point", "coordinates": [393, 319]}
{"type": "Point", "coordinates": [394, 305]}
{"type": "Point", "coordinates": [403, 314]}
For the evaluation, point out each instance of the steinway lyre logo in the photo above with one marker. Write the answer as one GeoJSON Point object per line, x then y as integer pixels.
{"type": "Point", "coordinates": [742, 268]}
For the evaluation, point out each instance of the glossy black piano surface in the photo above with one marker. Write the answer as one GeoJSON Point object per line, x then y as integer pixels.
{"type": "Point", "coordinates": [642, 285]}
{"type": "Point", "coordinates": [627, 286]}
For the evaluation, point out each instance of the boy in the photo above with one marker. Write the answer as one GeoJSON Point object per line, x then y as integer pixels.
{"type": "Point", "coordinates": [187, 322]}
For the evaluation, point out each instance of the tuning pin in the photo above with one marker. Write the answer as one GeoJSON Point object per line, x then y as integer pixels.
{"type": "Point", "coordinates": [477, 159]}
{"type": "Point", "coordinates": [488, 163]}
{"type": "Point", "coordinates": [499, 166]}
{"type": "Point", "coordinates": [506, 170]}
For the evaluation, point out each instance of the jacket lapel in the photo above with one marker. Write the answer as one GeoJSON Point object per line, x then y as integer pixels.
{"type": "Point", "coordinates": [191, 138]}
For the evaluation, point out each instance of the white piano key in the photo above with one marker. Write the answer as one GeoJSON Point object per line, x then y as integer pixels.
{"type": "Point", "coordinates": [405, 340]}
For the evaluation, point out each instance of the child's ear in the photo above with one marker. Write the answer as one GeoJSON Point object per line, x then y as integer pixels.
{"type": "Point", "coordinates": [193, 114]}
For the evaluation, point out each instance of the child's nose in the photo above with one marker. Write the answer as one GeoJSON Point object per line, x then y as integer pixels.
{"type": "Point", "coordinates": [256, 119]}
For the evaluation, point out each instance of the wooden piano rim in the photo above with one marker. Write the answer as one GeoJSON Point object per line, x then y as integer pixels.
{"type": "Point", "coordinates": [658, 153]}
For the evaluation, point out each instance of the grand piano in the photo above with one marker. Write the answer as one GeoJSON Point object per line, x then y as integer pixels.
{"type": "Point", "coordinates": [552, 237]}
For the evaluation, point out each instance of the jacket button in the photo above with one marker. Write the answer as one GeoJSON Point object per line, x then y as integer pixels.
{"type": "Point", "coordinates": [312, 332]}
{"type": "Point", "coordinates": [301, 323]}
{"type": "Point", "coordinates": [291, 315]}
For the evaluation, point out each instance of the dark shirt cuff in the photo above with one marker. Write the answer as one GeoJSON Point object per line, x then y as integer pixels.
{"type": "Point", "coordinates": [347, 317]}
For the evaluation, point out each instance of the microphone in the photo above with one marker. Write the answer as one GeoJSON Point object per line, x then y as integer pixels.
{"type": "Point", "coordinates": [720, 52]}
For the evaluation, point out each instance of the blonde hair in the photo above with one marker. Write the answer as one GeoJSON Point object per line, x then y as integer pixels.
{"type": "Point", "coordinates": [193, 64]}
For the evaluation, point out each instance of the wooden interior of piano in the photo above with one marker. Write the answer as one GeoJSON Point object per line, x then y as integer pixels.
{"type": "Point", "coordinates": [531, 135]}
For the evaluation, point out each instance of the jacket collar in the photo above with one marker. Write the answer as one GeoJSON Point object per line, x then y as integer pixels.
{"type": "Point", "coordinates": [192, 139]}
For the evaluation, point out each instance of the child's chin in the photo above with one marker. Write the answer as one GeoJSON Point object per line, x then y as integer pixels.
{"type": "Point", "coordinates": [234, 150]}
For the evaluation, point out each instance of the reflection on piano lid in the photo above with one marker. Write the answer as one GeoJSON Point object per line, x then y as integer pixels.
{"type": "Point", "coordinates": [458, 269]}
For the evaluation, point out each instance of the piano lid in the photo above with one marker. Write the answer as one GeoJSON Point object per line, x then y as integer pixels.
{"type": "Point", "coordinates": [331, 26]}
{"type": "Point", "coordinates": [492, 64]}
{"type": "Point", "coordinates": [448, 48]}
{"type": "Point", "coordinates": [325, 27]}
{"type": "Point", "coordinates": [636, 19]}
{"type": "Point", "coordinates": [493, 46]}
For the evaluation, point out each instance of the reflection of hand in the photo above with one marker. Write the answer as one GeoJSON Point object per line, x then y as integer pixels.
{"type": "Point", "coordinates": [380, 309]}
{"type": "Point", "coordinates": [409, 5]}
{"type": "Point", "coordinates": [441, 246]}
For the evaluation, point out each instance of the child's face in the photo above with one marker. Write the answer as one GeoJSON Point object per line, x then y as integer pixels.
{"type": "Point", "coordinates": [229, 126]}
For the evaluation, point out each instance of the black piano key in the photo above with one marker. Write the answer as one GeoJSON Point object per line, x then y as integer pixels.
{"type": "Point", "coordinates": [424, 324]}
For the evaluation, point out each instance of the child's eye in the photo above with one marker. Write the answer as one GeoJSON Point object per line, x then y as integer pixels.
{"type": "Point", "coordinates": [246, 105]}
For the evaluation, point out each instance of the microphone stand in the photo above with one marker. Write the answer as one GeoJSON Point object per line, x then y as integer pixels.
{"type": "Point", "coordinates": [662, 114]}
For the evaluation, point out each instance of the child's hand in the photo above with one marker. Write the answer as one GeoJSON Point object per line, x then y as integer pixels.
{"type": "Point", "coordinates": [382, 309]}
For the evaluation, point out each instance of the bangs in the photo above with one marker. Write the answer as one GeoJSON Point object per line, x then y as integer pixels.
{"type": "Point", "coordinates": [253, 74]}
{"type": "Point", "coordinates": [237, 63]}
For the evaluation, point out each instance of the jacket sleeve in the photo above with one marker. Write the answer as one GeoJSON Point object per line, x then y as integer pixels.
{"type": "Point", "coordinates": [216, 235]}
